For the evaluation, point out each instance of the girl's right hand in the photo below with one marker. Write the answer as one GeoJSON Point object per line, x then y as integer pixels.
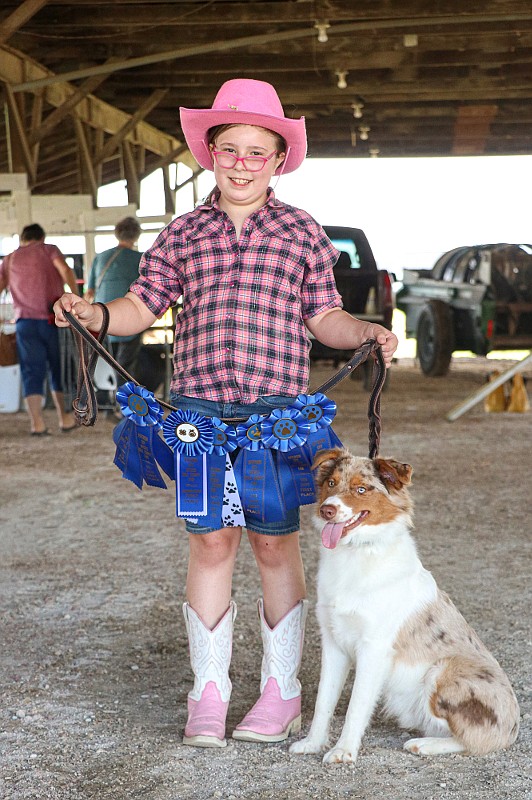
{"type": "Point", "coordinates": [88, 314]}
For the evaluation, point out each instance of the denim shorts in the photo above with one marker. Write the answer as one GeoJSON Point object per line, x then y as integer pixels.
{"type": "Point", "coordinates": [263, 405]}
{"type": "Point", "coordinates": [39, 355]}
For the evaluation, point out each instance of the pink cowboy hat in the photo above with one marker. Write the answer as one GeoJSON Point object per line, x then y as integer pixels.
{"type": "Point", "coordinates": [243, 101]}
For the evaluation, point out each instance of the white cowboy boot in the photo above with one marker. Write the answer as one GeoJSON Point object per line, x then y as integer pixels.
{"type": "Point", "coordinates": [210, 656]}
{"type": "Point", "coordinates": [277, 712]}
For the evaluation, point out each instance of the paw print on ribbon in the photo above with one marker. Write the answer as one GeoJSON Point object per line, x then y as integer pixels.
{"type": "Point", "coordinates": [139, 405]}
{"type": "Point", "coordinates": [285, 429]}
{"type": "Point", "coordinates": [318, 409]}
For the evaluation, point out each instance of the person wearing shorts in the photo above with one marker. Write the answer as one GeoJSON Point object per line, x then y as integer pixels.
{"type": "Point", "coordinates": [36, 274]}
{"type": "Point", "coordinates": [256, 275]}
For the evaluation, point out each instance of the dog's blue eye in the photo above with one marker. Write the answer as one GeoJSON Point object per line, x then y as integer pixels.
{"type": "Point", "coordinates": [361, 489]}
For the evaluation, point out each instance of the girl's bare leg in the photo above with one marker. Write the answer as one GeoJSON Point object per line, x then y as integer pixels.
{"type": "Point", "coordinates": [210, 572]}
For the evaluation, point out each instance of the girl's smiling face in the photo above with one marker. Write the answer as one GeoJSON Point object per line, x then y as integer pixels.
{"type": "Point", "coordinates": [238, 186]}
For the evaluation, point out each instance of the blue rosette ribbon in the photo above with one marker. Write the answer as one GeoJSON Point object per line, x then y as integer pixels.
{"type": "Point", "coordinates": [190, 435]}
{"type": "Point", "coordinates": [139, 448]}
{"type": "Point", "coordinates": [256, 475]}
{"type": "Point", "coordinates": [224, 504]}
{"type": "Point", "coordinates": [286, 430]}
{"type": "Point", "coordinates": [320, 411]}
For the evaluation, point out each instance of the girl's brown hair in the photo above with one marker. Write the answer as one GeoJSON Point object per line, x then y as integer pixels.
{"type": "Point", "coordinates": [280, 144]}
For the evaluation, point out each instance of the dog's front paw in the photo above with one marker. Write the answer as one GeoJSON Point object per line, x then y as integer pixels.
{"type": "Point", "coordinates": [340, 755]}
{"type": "Point", "coordinates": [307, 745]}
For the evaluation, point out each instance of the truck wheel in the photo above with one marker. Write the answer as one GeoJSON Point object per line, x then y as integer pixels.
{"type": "Point", "coordinates": [435, 338]}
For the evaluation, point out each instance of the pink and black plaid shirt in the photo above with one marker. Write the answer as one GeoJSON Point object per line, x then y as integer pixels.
{"type": "Point", "coordinates": [241, 333]}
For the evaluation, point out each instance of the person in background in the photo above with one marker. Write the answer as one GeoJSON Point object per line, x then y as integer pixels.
{"type": "Point", "coordinates": [36, 274]}
{"type": "Point", "coordinates": [111, 275]}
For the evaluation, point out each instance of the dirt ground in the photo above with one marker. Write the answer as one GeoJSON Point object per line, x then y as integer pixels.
{"type": "Point", "coordinates": [94, 664]}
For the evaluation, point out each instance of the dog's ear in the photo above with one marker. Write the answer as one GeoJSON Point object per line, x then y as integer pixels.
{"type": "Point", "coordinates": [326, 455]}
{"type": "Point", "coordinates": [393, 473]}
{"type": "Point", "coordinates": [324, 461]}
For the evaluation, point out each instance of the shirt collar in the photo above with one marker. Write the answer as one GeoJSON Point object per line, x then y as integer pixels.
{"type": "Point", "coordinates": [271, 202]}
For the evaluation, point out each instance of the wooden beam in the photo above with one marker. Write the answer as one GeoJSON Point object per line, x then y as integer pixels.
{"type": "Point", "coordinates": [19, 17]}
{"type": "Point", "coordinates": [18, 130]}
{"type": "Point", "coordinates": [266, 11]}
{"type": "Point", "coordinates": [163, 161]}
{"type": "Point", "coordinates": [98, 144]}
{"type": "Point", "coordinates": [88, 181]}
{"type": "Point", "coordinates": [415, 23]}
{"type": "Point", "coordinates": [14, 66]}
{"type": "Point", "coordinates": [472, 128]}
{"type": "Point", "coordinates": [36, 119]}
{"type": "Point", "coordinates": [58, 114]}
{"type": "Point", "coordinates": [132, 178]}
{"type": "Point", "coordinates": [113, 143]}
{"type": "Point", "coordinates": [169, 195]}
{"type": "Point", "coordinates": [141, 160]}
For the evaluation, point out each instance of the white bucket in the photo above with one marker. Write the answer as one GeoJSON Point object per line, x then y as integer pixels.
{"type": "Point", "coordinates": [10, 389]}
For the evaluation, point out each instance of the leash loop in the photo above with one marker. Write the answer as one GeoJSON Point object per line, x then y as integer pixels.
{"type": "Point", "coordinates": [90, 347]}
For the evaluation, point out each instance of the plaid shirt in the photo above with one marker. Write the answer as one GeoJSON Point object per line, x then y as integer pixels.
{"type": "Point", "coordinates": [241, 333]}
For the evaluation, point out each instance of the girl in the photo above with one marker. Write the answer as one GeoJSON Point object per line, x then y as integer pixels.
{"type": "Point", "coordinates": [255, 275]}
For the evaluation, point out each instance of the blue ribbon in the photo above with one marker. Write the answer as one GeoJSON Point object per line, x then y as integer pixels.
{"type": "Point", "coordinates": [138, 446]}
{"type": "Point", "coordinates": [320, 411]}
{"type": "Point", "coordinates": [286, 430]}
{"type": "Point", "coordinates": [225, 438]}
{"type": "Point", "coordinates": [263, 484]}
{"type": "Point", "coordinates": [190, 435]}
{"type": "Point", "coordinates": [224, 506]}
{"type": "Point", "coordinates": [256, 476]}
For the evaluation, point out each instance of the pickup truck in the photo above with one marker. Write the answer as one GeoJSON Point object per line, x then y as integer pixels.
{"type": "Point", "coordinates": [476, 298]}
{"type": "Point", "coordinates": [366, 291]}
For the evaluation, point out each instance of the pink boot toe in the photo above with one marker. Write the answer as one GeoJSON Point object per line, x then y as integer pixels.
{"type": "Point", "coordinates": [277, 712]}
{"type": "Point", "coordinates": [206, 719]}
{"type": "Point", "coordinates": [271, 719]}
{"type": "Point", "coordinates": [210, 656]}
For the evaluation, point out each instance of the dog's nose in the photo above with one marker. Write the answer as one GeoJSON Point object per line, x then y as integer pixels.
{"type": "Point", "coordinates": [328, 512]}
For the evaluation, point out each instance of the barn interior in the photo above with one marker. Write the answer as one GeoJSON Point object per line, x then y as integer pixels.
{"type": "Point", "coordinates": [92, 89]}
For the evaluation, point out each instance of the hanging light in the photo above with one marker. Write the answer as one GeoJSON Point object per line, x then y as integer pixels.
{"type": "Point", "coordinates": [410, 40]}
{"type": "Point", "coordinates": [321, 27]}
{"type": "Point", "coordinates": [341, 75]}
{"type": "Point", "coordinates": [357, 109]}
{"type": "Point", "coordinates": [363, 132]}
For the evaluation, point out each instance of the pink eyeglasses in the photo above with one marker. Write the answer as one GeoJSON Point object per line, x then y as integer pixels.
{"type": "Point", "coordinates": [251, 163]}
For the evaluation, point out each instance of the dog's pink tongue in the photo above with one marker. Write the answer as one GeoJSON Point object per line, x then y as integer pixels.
{"type": "Point", "coordinates": [331, 533]}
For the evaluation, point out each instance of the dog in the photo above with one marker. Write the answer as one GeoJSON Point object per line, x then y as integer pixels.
{"type": "Point", "coordinates": [377, 606]}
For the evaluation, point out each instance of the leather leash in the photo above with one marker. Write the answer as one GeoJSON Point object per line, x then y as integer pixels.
{"type": "Point", "coordinates": [90, 347]}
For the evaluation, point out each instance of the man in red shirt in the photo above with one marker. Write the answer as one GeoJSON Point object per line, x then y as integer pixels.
{"type": "Point", "coordinates": [36, 274]}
